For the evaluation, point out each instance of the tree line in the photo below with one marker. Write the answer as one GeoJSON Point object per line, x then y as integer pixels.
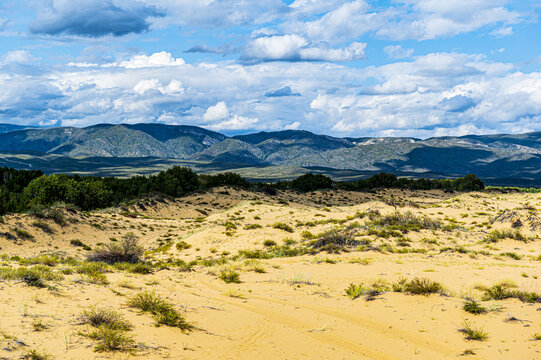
{"type": "Point", "coordinates": [23, 190]}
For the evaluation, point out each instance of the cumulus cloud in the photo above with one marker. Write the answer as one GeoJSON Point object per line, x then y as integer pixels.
{"type": "Point", "coordinates": [216, 112]}
{"type": "Point", "coordinates": [432, 94]}
{"type": "Point", "coordinates": [159, 59]}
{"type": "Point", "coordinates": [236, 122]}
{"type": "Point", "coordinates": [403, 19]}
{"type": "Point", "coordinates": [93, 18]}
{"type": "Point", "coordinates": [173, 88]}
{"type": "Point", "coordinates": [296, 48]}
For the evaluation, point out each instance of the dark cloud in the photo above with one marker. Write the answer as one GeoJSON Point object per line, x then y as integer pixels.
{"type": "Point", "coordinates": [285, 91]}
{"type": "Point", "coordinates": [94, 18]}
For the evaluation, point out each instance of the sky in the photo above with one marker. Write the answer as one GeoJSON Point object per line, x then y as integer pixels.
{"type": "Point", "coordinates": [418, 68]}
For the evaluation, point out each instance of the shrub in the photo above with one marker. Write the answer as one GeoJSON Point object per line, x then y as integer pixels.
{"type": "Point", "coordinates": [511, 255]}
{"type": "Point", "coordinates": [230, 276]}
{"type": "Point", "coordinates": [498, 292]}
{"type": "Point", "coordinates": [418, 286]}
{"type": "Point", "coordinates": [406, 222]}
{"type": "Point", "coordinates": [43, 226]}
{"type": "Point", "coordinates": [23, 234]}
{"type": "Point", "coordinates": [282, 226]}
{"type": "Point", "coordinates": [35, 355]}
{"type": "Point", "coordinates": [473, 307]}
{"type": "Point", "coordinates": [269, 243]}
{"type": "Point", "coordinates": [497, 235]}
{"type": "Point", "coordinates": [252, 226]}
{"type": "Point", "coordinates": [354, 291]}
{"type": "Point", "coordinates": [310, 182]}
{"type": "Point", "coordinates": [182, 245]}
{"type": "Point", "coordinates": [110, 339]}
{"type": "Point", "coordinates": [163, 312]}
{"type": "Point", "coordinates": [335, 240]}
{"type": "Point", "coordinates": [79, 243]}
{"type": "Point", "coordinates": [104, 317]}
{"type": "Point", "coordinates": [126, 250]}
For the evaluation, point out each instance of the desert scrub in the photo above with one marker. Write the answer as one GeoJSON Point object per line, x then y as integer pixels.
{"type": "Point", "coordinates": [35, 355]}
{"type": "Point", "coordinates": [137, 268]}
{"type": "Point", "coordinates": [405, 222]}
{"type": "Point", "coordinates": [46, 228]}
{"type": "Point", "coordinates": [79, 243]}
{"type": "Point", "coordinates": [473, 333]}
{"type": "Point", "coordinates": [497, 235]}
{"type": "Point", "coordinates": [163, 312]}
{"type": "Point", "coordinates": [126, 250]}
{"type": "Point", "coordinates": [182, 245]}
{"type": "Point", "coordinates": [109, 339]}
{"type": "Point", "coordinates": [269, 243]}
{"type": "Point", "coordinates": [23, 234]}
{"type": "Point", "coordinates": [38, 325]}
{"type": "Point", "coordinates": [335, 240]}
{"type": "Point", "coordinates": [418, 286]}
{"type": "Point", "coordinates": [511, 255]}
{"type": "Point", "coordinates": [354, 291]}
{"type": "Point", "coordinates": [104, 317]}
{"type": "Point", "coordinates": [283, 226]}
{"type": "Point", "coordinates": [230, 276]}
{"type": "Point", "coordinates": [48, 260]}
{"type": "Point", "coordinates": [32, 276]}
{"type": "Point", "coordinates": [252, 226]}
{"type": "Point", "coordinates": [473, 307]}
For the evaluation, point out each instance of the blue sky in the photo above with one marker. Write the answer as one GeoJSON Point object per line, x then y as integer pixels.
{"type": "Point", "coordinates": [341, 67]}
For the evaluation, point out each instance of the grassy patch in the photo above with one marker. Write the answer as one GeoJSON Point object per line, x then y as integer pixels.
{"type": "Point", "coordinates": [497, 235]}
{"type": "Point", "coordinates": [104, 317]}
{"type": "Point", "coordinates": [163, 312]}
{"type": "Point", "coordinates": [283, 226]}
{"type": "Point", "coordinates": [109, 339]}
{"type": "Point", "coordinates": [473, 333]}
{"type": "Point", "coordinates": [418, 286]}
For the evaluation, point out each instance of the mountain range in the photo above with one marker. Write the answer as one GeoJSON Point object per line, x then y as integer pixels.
{"type": "Point", "coordinates": [488, 156]}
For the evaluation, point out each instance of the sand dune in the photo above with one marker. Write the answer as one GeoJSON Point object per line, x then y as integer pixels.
{"type": "Point", "coordinates": [285, 307]}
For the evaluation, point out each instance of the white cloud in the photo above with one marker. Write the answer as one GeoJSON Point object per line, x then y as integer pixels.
{"type": "Point", "coordinates": [236, 122]}
{"type": "Point", "coordinates": [296, 48]}
{"type": "Point", "coordinates": [503, 31]}
{"type": "Point", "coordinates": [428, 95]}
{"type": "Point", "coordinates": [397, 52]}
{"type": "Point", "coordinates": [293, 126]}
{"type": "Point", "coordinates": [18, 57]}
{"type": "Point", "coordinates": [159, 59]}
{"type": "Point", "coordinates": [216, 112]}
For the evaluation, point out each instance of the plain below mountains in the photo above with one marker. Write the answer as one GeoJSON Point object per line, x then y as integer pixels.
{"type": "Point", "coordinates": [488, 156]}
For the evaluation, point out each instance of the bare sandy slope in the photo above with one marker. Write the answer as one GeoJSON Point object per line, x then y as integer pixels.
{"type": "Point", "coordinates": [285, 307]}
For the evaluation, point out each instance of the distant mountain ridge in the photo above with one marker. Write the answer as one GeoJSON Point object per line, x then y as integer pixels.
{"type": "Point", "coordinates": [492, 156]}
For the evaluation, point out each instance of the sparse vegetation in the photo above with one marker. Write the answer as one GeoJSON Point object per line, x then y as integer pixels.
{"type": "Point", "coordinates": [418, 286]}
{"type": "Point", "coordinates": [473, 333]}
{"type": "Point", "coordinates": [473, 307]}
{"type": "Point", "coordinates": [163, 312]}
{"type": "Point", "coordinates": [126, 250]}
{"type": "Point", "coordinates": [230, 276]}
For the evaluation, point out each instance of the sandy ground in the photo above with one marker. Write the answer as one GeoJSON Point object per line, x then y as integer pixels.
{"type": "Point", "coordinates": [291, 307]}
